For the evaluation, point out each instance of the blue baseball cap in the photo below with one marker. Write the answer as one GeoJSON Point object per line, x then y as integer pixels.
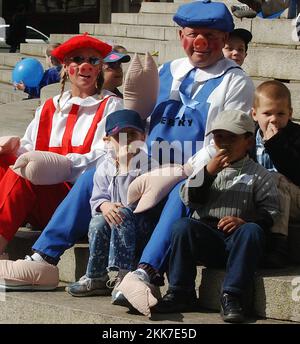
{"type": "Point", "coordinates": [114, 57]}
{"type": "Point", "coordinates": [208, 14]}
{"type": "Point", "coordinates": [122, 119]}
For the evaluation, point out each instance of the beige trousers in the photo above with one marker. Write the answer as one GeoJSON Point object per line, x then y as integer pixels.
{"type": "Point", "coordinates": [289, 195]}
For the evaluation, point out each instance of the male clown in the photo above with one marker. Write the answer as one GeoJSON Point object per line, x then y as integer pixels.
{"type": "Point", "coordinates": [218, 84]}
{"type": "Point", "coordinates": [182, 113]}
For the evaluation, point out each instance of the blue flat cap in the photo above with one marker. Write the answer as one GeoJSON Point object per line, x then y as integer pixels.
{"type": "Point", "coordinates": [122, 119]}
{"type": "Point", "coordinates": [208, 14]}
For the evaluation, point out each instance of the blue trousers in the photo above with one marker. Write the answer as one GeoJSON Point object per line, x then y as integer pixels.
{"type": "Point", "coordinates": [70, 222]}
{"type": "Point", "coordinates": [156, 252]}
{"type": "Point", "coordinates": [116, 247]}
{"type": "Point", "coordinates": [194, 241]}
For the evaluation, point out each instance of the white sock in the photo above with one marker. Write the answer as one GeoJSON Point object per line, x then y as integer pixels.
{"type": "Point", "coordinates": [36, 257]}
{"type": "Point", "coordinates": [143, 274]}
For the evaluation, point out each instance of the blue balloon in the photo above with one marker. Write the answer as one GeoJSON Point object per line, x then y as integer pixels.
{"type": "Point", "coordinates": [30, 71]}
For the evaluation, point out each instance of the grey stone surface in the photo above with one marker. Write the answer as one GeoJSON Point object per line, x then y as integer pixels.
{"type": "Point", "coordinates": [22, 243]}
{"type": "Point", "coordinates": [8, 94]}
{"type": "Point", "coordinates": [57, 307]}
{"type": "Point", "coordinates": [273, 292]}
{"type": "Point", "coordinates": [15, 117]}
{"type": "Point", "coordinates": [273, 63]}
{"type": "Point", "coordinates": [73, 262]}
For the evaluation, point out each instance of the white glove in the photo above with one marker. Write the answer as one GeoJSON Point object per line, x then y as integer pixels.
{"type": "Point", "coordinates": [43, 168]}
{"type": "Point", "coordinates": [141, 86]}
{"type": "Point", "coordinates": [9, 144]}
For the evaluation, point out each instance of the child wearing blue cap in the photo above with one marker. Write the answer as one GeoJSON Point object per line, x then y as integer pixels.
{"type": "Point", "coordinates": [116, 234]}
{"type": "Point", "coordinates": [113, 70]}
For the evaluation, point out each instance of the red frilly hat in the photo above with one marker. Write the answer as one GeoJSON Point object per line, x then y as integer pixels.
{"type": "Point", "coordinates": [81, 41]}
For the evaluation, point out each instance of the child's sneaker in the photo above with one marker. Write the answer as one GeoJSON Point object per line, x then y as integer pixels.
{"type": "Point", "coordinates": [89, 286]}
{"type": "Point", "coordinates": [117, 297]}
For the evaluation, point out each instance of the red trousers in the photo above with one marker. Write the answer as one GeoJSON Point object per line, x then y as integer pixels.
{"type": "Point", "coordinates": [22, 202]}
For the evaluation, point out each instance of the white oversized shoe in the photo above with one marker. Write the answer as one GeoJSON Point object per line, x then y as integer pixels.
{"type": "Point", "coordinates": [28, 275]}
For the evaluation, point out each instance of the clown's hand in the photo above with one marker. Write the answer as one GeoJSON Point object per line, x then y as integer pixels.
{"type": "Point", "coordinates": [141, 86]}
{"type": "Point", "coordinates": [151, 187]}
{"type": "Point", "coordinates": [43, 168]}
{"type": "Point", "coordinates": [9, 144]}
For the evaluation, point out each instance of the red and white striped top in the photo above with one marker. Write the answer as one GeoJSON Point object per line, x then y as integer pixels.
{"type": "Point", "coordinates": [76, 130]}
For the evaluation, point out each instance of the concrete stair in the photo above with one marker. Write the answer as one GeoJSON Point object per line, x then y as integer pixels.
{"type": "Point", "coordinates": [57, 307]}
{"type": "Point", "coordinates": [275, 297]}
{"type": "Point", "coordinates": [15, 117]}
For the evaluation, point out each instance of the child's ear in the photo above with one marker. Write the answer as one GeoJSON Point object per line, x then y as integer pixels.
{"type": "Point", "coordinates": [253, 114]}
{"type": "Point", "coordinates": [291, 112]}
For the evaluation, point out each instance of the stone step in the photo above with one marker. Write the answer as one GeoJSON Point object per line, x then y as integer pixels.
{"type": "Point", "coordinates": [275, 293]}
{"type": "Point", "coordinates": [6, 75]}
{"type": "Point", "coordinates": [133, 31]}
{"type": "Point", "coordinates": [10, 60]}
{"type": "Point", "coordinates": [153, 19]}
{"type": "Point", "coordinates": [8, 94]}
{"type": "Point", "coordinates": [275, 32]}
{"type": "Point", "coordinates": [33, 49]}
{"type": "Point", "coordinates": [275, 296]}
{"type": "Point", "coordinates": [58, 307]}
{"type": "Point", "coordinates": [15, 117]}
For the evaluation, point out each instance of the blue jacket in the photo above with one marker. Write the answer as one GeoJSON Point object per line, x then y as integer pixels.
{"type": "Point", "coordinates": [51, 76]}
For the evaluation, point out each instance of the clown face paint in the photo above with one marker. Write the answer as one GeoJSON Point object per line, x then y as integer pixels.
{"type": "Point", "coordinates": [83, 77]}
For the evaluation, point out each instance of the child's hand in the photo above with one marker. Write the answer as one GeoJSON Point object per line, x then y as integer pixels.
{"type": "Point", "coordinates": [218, 162]}
{"type": "Point", "coordinates": [111, 213]}
{"type": "Point", "coordinates": [270, 132]}
{"type": "Point", "coordinates": [20, 86]}
{"type": "Point", "coordinates": [228, 224]}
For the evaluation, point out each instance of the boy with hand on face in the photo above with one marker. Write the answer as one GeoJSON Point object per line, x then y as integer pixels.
{"type": "Point", "coordinates": [233, 209]}
{"type": "Point", "coordinates": [278, 150]}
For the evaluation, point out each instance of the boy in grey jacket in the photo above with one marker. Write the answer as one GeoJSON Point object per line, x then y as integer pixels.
{"type": "Point", "coordinates": [235, 202]}
{"type": "Point", "coordinates": [115, 232]}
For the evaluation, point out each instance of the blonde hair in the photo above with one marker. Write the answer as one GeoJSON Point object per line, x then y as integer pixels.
{"type": "Point", "coordinates": [119, 49]}
{"type": "Point", "coordinates": [272, 89]}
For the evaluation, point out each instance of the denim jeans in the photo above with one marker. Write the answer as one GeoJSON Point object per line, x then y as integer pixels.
{"type": "Point", "coordinates": [194, 241]}
{"type": "Point", "coordinates": [117, 247]}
